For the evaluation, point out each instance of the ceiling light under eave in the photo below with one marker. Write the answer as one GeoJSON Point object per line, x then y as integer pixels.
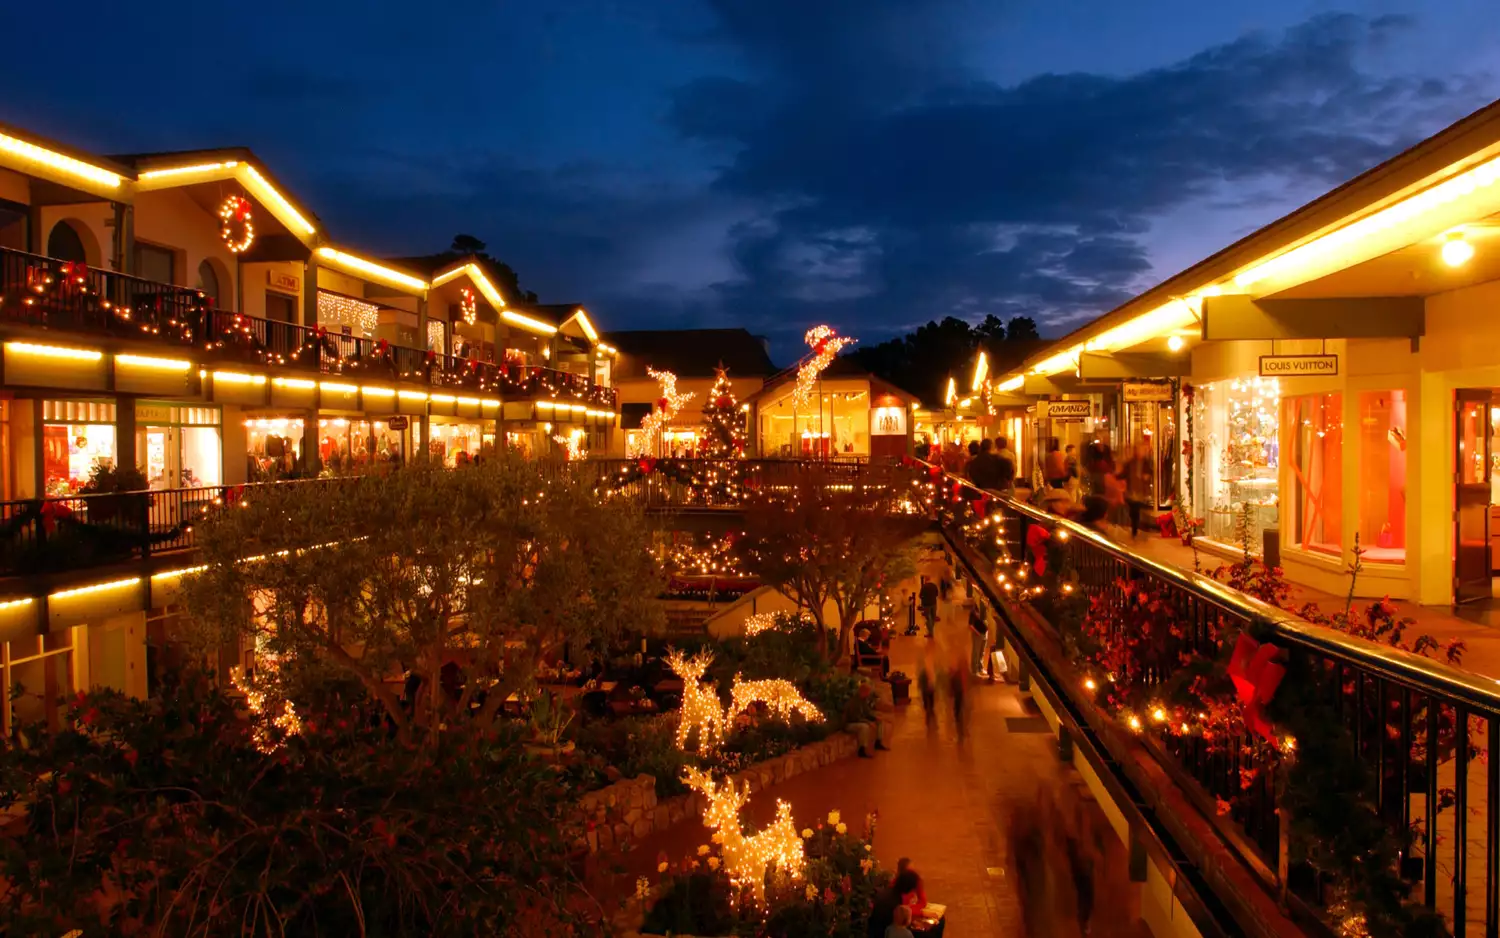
{"type": "Point", "coordinates": [1175, 343]}
{"type": "Point", "coordinates": [1457, 251]}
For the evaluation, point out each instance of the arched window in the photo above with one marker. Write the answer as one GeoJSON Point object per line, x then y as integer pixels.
{"type": "Point", "coordinates": [208, 282]}
{"type": "Point", "coordinates": [65, 244]}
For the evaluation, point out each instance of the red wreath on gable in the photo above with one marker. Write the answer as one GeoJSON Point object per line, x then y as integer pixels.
{"type": "Point", "coordinates": [1036, 541]}
{"type": "Point", "coordinates": [1256, 675]}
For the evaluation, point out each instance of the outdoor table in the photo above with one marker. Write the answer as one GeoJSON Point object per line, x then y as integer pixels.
{"type": "Point", "coordinates": [929, 918]}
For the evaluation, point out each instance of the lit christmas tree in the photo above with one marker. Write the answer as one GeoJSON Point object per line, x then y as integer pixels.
{"type": "Point", "coordinates": [724, 436]}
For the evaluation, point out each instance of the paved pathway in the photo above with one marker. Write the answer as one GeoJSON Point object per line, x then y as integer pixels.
{"type": "Point", "coordinates": [941, 802]}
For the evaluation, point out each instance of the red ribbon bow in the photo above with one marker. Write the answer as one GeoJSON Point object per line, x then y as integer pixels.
{"type": "Point", "coordinates": [52, 513]}
{"type": "Point", "coordinates": [647, 465]}
{"type": "Point", "coordinates": [1256, 677]}
{"type": "Point", "coordinates": [1036, 540]}
{"type": "Point", "coordinates": [981, 504]}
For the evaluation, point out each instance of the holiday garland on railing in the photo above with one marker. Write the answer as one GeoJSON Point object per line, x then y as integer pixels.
{"type": "Point", "coordinates": [58, 528]}
{"type": "Point", "coordinates": [707, 482]}
{"type": "Point", "coordinates": [1237, 691]}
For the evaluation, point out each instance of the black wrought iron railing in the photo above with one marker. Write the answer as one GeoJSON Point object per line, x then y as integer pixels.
{"type": "Point", "coordinates": [1427, 733]}
{"type": "Point", "coordinates": [46, 293]}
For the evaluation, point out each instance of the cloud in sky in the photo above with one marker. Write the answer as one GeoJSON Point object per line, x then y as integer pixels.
{"type": "Point", "coordinates": [869, 163]}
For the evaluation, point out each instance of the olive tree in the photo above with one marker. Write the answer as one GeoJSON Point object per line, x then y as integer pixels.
{"type": "Point", "coordinates": [823, 539]}
{"type": "Point", "coordinates": [489, 568]}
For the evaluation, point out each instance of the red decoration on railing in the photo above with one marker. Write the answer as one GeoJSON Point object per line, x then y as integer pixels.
{"type": "Point", "coordinates": [1256, 676]}
{"type": "Point", "coordinates": [647, 465]}
{"type": "Point", "coordinates": [1036, 541]}
{"type": "Point", "coordinates": [52, 512]}
{"type": "Point", "coordinates": [981, 504]}
{"type": "Point", "coordinates": [233, 494]}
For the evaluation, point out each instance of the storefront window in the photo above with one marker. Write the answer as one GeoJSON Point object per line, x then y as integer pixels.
{"type": "Point", "coordinates": [1382, 476]}
{"type": "Point", "coordinates": [353, 445]}
{"type": "Point", "coordinates": [835, 423]}
{"type": "Point", "coordinates": [456, 443]}
{"type": "Point", "coordinates": [76, 437]}
{"type": "Point", "coordinates": [36, 680]}
{"type": "Point", "coordinates": [179, 447]}
{"type": "Point", "coordinates": [1317, 425]}
{"type": "Point", "coordinates": [273, 448]}
{"type": "Point", "coordinates": [1235, 458]}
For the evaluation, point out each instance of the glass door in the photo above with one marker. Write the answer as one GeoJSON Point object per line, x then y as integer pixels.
{"type": "Point", "coordinates": [1471, 495]}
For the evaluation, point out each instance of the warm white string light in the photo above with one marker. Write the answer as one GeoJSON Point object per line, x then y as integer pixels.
{"type": "Point", "coordinates": [825, 345]}
{"type": "Point", "coordinates": [748, 857]}
{"type": "Point", "coordinates": [667, 407]}
{"type": "Point", "coordinates": [335, 310]}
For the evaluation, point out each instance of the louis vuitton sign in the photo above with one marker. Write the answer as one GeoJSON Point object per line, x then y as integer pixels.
{"type": "Point", "coordinates": [1299, 366]}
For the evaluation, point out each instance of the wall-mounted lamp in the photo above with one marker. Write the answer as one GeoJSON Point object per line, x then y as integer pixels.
{"type": "Point", "coordinates": [1457, 251]}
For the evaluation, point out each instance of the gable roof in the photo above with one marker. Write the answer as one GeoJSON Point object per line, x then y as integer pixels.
{"type": "Point", "coordinates": [690, 353]}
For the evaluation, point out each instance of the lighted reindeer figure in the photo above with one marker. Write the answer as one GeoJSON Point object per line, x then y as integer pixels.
{"type": "Point", "coordinates": [781, 698]}
{"type": "Point", "coordinates": [748, 858]}
{"type": "Point", "coordinates": [700, 702]}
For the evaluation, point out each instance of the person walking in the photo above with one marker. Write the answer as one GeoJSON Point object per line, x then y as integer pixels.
{"type": "Point", "coordinates": [979, 638]}
{"type": "Point", "coordinates": [927, 687]}
{"type": "Point", "coordinates": [958, 687]}
{"type": "Point", "coordinates": [1005, 466]}
{"type": "Point", "coordinates": [928, 597]}
{"type": "Point", "coordinates": [1138, 476]}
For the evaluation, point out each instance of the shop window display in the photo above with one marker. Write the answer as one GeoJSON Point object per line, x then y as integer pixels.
{"type": "Point", "coordinates": [179, 445]}
{"type": "Point", "coordinates": [77, 436]}
{"type": "Point", "coordinates": [1382, 476]}
{"type": "Point", "coordinates": [273, 448]}
{"type": "Point", "coordinates": [1235, 457]}
{"type": "Point", "coordinates": [1317, 434]}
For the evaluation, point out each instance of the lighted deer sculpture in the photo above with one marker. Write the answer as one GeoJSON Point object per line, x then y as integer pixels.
{"type": "Point", "coordinates": [781, 698]}
{"type": "Point", "coordinates": [700, 701]}
{"type": "Point", "coordinates": [748, 858]}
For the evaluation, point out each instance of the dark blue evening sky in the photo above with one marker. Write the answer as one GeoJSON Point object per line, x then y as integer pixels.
{"type": "Point", "coordinates": [776, 163]}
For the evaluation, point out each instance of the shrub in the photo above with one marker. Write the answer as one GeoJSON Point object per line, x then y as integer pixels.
{"type": "Point", "coordinates": [178, 816]}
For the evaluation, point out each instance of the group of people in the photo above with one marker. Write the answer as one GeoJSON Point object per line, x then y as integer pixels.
{"type": "Point", "coordinates": [992, 465]}
{"type": "Point", "coordinates": [1054, 861]}
{"type": "Point", "coordinates": [900, 904]}
{"type": "Point", "coordinates": [1112, 494]}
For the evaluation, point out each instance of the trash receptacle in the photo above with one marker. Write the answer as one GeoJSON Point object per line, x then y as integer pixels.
{"type": "Point", "coordinates": [1270, 546]}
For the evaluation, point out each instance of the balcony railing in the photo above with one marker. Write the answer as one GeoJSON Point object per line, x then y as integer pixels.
{"type": "Point", "coordinates": [1427, 734]}
{"type": "Point", "coordinates": [77, 532]}
{"type": "Point", "coordinates": [47, 293]}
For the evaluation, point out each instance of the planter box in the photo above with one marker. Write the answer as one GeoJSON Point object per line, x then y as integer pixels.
{"type": "Point", "coordinates": [629, 810]}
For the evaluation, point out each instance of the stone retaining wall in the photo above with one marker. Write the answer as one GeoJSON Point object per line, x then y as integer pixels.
{"type": "Point", "coordinates": [629, 809]}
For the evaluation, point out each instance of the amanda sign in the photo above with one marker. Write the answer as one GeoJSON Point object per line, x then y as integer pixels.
{"type": "Point", "coordinates": [1070, 410]}
{"type": "Point", "coordinates": [1146, 392]}
{"type": "Point", "coordinates": [888, 421]}
{"type": "Point", "coordinates": [1299, 366]}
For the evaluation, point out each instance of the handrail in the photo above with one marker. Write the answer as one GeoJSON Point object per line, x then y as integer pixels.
{"type": "Point", "coordinates": [1425, 674]}
{"type": "Point", "coordinates": [1414, 723]}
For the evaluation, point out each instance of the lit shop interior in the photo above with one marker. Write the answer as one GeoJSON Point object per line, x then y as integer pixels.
{"type": "Point", "coordinates": [833, 423]}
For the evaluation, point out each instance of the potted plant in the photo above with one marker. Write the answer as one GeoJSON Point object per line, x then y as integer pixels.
{"type": "Point", "coordinates": [120, 496]}
{"type": "Point", "coordinates": [900, 687]}
{"type": "Point", "coordinates": [550, 718]}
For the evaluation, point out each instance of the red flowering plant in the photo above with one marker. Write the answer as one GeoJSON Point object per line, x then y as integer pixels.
{"type": "Point", "coordinates": [175, 816]}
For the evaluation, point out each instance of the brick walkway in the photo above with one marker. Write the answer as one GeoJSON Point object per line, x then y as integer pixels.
{"type": "Point", "coordinates": [940, 802]}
